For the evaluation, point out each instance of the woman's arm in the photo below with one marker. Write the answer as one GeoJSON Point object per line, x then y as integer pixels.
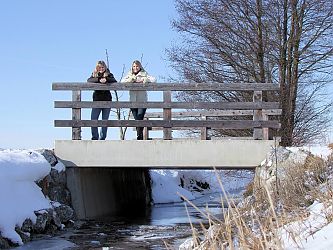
{"type": "Point", "coordinates": [129, 78]}
{"type": "Point", "coordinates": [93, 79]}
{"type": "Point", "coordinates": [110, 78]}
{"type": "Point", "coordinates": [150, 79]}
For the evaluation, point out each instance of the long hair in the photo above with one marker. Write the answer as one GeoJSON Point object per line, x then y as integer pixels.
{"type": "Point", "coordinates": [98, 65]}
{"type": "Point", "coordinates": [137, 62]}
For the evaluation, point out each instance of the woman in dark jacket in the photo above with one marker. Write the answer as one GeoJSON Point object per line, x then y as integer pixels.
{"type": "Point", "coordinates": [101, 74]}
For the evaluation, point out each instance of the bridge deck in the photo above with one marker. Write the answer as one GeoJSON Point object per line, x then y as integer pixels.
{"type": "Point", "coordinates": [163, 153]}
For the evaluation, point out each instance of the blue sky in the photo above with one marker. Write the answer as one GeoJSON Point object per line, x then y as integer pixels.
{"type": "Point", "coordinates": [56, 41]}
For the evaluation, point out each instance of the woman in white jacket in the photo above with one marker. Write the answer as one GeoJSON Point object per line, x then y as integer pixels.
{"type": "Point", "coordinates": [137, 74]}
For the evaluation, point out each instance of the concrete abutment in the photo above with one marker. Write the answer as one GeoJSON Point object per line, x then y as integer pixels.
{"type": "Point", "coordinates": [102, 192]}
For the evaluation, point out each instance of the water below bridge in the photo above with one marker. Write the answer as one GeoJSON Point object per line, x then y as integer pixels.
{"type": "Point", "coordinates": [165, 226]}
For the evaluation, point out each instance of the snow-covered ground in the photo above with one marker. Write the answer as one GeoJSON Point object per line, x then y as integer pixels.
{"type": "Point", "coordinates": [20, 196]}
{"type": "Point", "coordinates": [313, 232]}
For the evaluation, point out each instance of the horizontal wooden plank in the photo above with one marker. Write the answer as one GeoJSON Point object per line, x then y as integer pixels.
{"type": "Point", "coordinates": [212, 113]}
{"type": "Point", "coordinates": [174, 105]}
{"type": "Point", "coordinates": [166, 86]}
{"type": "Point", "coordinates": [179, 129]}
{"type": "Point", "coordinates": [239, 124]}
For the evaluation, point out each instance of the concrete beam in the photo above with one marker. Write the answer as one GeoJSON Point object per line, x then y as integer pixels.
{"type": "Point", "coordinates": [163, 153]}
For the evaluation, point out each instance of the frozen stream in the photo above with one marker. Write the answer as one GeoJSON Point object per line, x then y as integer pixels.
{"type": "Point", "coordinates": [163, 224]}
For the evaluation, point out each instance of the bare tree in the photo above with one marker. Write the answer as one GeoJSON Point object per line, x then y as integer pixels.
{"type": "Point", "coordinates": [120, 114]}
{"type": "Point", "coordinates": [287, 42]}
{"type": "Point", "coordinates": [305, 64]}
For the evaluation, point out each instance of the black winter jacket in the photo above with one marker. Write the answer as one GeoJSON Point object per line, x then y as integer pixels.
{"type": "Point", "coordinates": [102, 95]}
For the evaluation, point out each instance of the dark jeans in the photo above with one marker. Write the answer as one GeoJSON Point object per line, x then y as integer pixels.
{"type": "Point", "coordinates": [139, 114]}
{"type": "Point", "coordinates": [95, 112]}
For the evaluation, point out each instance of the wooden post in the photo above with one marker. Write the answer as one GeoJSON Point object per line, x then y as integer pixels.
{"type": "Point", "coordinates": [257, 116]}
{"type": "Point", "coordinates": [167, 132]}
{"type": "Point", "coordinates": [265, 131]}
{"type": "Point", "coordinates": [76, 115]}
{"type": "Point", "coordinates": [146, 131]}
{"type": "Point", "coordinates": [204, 134]}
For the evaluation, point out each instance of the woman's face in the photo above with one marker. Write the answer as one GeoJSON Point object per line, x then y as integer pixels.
{"type": "Point", "coordinates": [101, 68]}
{"type": "Point", "coordinates": [135, 68]}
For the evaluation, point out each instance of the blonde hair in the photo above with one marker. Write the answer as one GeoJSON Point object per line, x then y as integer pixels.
{"type": "Point", "coordinates": [98, 65]}
{"type": "Point", "coordinates": [137, 62]}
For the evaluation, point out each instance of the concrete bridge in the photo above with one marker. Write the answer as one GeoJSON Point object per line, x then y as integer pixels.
{"type": "Point", "coordinates": [111, 177]}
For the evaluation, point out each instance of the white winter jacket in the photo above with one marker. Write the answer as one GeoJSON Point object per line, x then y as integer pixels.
{"type": "Point", "coordinates": [138, 95]}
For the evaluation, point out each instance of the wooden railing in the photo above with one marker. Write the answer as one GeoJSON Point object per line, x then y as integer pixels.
{"type": "Point", "coordinates": [259, 109]}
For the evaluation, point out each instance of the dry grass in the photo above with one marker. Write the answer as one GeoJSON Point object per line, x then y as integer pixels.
{"type": "Point", "coordinates": [256, 223]}
{"type": "Point", "coordinates": [330, 146]}
{"type": "Point", "coordinates": [299, 182]}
